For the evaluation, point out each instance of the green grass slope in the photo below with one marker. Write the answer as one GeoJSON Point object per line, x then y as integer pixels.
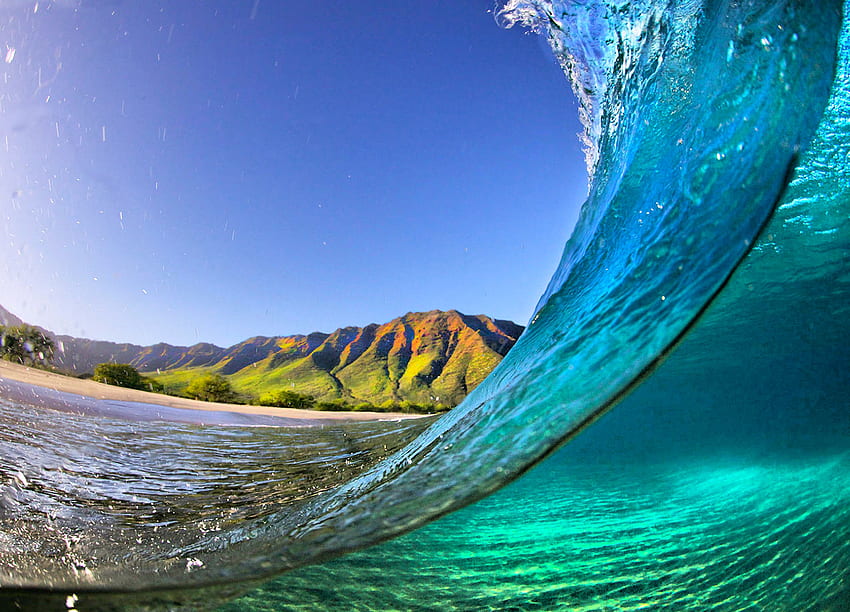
{"type": "Point", "coordinates": [430, 357]}
{"type": "Point", "coordinates": [423, 358]}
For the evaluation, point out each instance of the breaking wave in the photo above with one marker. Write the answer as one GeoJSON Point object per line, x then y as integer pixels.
{"type": "Point", "coordinates": [719, 188]}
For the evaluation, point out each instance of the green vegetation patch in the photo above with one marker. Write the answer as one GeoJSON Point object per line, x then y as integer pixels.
{"type": "Point", "coordinates": [125, 375]}
{"type": "Point", "coordinates": [26, 345]}
{"type": "Point", "coordinates": [210, 388]}
{"type": "Point", "coordinates": [176, 381]}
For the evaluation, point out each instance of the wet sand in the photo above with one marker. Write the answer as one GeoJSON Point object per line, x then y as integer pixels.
{"type": "Point", "coordinates": [49, 390]}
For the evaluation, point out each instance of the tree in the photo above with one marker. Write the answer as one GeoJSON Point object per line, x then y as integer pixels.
{"type": "Point", "coordinates": [210, 388]}
{"type": "Point", "coordinates": [10, 345]}
{"type": "Point", "coordinates": [124, 375]}
{"type": "Point", "coordinates": [286, 399]}
{"type": "Point", "coordinates": [26, 344]}
{"type": "Point", "coordinates": [338, 405]}
{"type": "Point", "coordinates": [118, 374]}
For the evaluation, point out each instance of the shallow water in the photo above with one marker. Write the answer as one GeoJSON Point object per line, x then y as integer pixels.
{"type": "Point", "coordinates": [719, 482]}
{"type": "Point", "coordinates": [730, 534]}
{"type": "Point", "coordinates": [140, 494]}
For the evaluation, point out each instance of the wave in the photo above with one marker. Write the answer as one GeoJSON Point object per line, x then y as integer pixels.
{"type": "Point", "coordinates": [716, 142]}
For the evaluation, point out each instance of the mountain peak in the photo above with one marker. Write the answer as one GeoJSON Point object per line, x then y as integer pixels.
{"type": "Point", "coordinates": [7, 318]}
{"type": "Point", "coordinates": [426, 357]}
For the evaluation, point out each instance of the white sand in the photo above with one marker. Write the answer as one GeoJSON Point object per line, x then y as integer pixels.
{"type": "Point", "coordinates": [100, 391]}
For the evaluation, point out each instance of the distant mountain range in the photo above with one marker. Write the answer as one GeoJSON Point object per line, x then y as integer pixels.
{"type": "Point", "coordinates": [431, 356]}
{"type": "Point", "coordinates": [7, 318]}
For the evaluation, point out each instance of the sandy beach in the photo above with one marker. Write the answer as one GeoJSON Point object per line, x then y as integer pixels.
{"type": "Point", "coordinates": [56, 391]}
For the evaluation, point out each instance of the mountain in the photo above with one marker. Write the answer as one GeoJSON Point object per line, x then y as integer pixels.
{"type": "Point", "coordinates": [79, 355]}
{"type": "Point", "coordinates": [7, 318]}
{"type": "Point", "coordinates": [422, 357]}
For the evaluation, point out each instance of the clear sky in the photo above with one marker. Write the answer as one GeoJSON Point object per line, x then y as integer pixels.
{"type": "Point", "coordinates": [209, 171]}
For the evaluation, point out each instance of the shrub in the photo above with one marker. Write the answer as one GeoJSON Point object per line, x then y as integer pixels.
{"type": "Point", "coordinates": [25, 344]}
{"type": "Point", "coordinates": [286, 399]}
{"type": "Point", "coordinates": [118, 374]}
{"type": "Point", "coordinates": [210, 388]}
{"type": "Point", "coordinates": [333, 405]}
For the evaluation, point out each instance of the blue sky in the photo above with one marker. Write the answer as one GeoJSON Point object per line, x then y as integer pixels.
{"type": "Point", "coordinates": [208, 171]}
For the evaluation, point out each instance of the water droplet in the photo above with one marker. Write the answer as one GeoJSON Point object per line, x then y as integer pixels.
{"type": "Point", "coordinates": [192, 564]}
{"type": "Point", "coordinates": [21, 479]}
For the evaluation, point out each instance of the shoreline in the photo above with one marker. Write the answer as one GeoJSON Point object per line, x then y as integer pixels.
{"type": "Point", "coordinates": [59, 391]}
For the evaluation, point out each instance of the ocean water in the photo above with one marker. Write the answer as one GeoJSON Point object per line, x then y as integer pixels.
{"type": "Point", "coordinates": [683, 388]}
{"type": "Point", "coordinates": [717, 534]}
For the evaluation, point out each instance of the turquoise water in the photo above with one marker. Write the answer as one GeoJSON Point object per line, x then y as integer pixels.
{"type": "Point", "coordinates": [720, 483]}
{"type": "Point", "coordinates": [700, 306]}
{"type": "Point", "coordinates": [730, 493]}
{"type": "Point", "coordinates": [717, 534]}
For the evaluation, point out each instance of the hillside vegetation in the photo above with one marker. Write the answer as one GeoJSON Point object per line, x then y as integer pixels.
{"type": "Point", "coordinates": [434, 357]}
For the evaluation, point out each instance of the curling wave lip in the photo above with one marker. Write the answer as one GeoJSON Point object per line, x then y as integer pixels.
{"type": "Point", "coordinates": [693, 151]}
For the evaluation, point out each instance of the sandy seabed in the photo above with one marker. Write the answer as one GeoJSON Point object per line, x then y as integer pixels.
{"type": "Point", "coordinates": [69, 394]}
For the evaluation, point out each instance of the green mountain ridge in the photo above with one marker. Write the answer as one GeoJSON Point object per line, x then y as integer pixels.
{"type": "Point", "coordinates": [425, 357]}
